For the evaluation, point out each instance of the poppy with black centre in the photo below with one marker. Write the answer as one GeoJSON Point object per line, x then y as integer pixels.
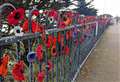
{"type": "Point", "coordinates": [16, 16]}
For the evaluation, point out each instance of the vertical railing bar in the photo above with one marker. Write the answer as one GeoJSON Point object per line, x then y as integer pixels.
{"type": "Point", "coordinates": [29, 42]}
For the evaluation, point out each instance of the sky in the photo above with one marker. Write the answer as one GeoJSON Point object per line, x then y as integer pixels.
{"type": "Point", "coordinates": [108, 6]}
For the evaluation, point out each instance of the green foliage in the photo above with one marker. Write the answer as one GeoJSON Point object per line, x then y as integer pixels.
{"type": "Point", "coordinates": [86, 8]}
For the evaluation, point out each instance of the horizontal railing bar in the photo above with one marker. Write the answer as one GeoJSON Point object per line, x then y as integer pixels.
{"type": "Point", "coordinates": [14, 39]}
{"type": "Point", "coordinates": [27, 36]}
{"type": "Point", "coordinates": [49, 31]}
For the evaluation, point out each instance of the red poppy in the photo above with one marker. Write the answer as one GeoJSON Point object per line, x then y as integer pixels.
{"type": "Point", "coordinates": [53, 13]}
{"type": "Point", "coordinates": [68, 21]}
{"type": "Point", "coordinates": [53, 51]}
{"type": "Point", "coordinates": [67, 35]}
{"type": "Point", "coordinates": [35, 12]}
{"type": "Point", "coordinates": [54, 41]}
{"type": "Point", "coordinates": [62, 40]}
{"type": "Point", "coordinates": [69, 14]}
{"type": "Point", "coordinates": [15, 16]}
{"type": "Point", "coordinates": [3, 65]}
{"type": "Point", "coordinates": [50, 65]}
{"type": "Point", "coordinates": [59, 37]}
{"type": "Point", "coordinates": [18, 70]}
{"type": "Point", "coordinates": [41, 76]}
{"type": "Point", "coordinates": [67, 50]}
{"type": "Point", "coordinates": [62, 25]}
{"type": "Point", "coordinates": [50, 39]}
{"type": "Point", "coordinates": [70, 33]}
{"type": "Point", "coordinates": [39, 52]}
{"type": "Point", "coordinates": [48, 44]}
{"type": "Point", "coordinates": [35, 27]}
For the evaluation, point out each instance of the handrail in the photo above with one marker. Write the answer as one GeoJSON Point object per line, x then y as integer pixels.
{"type": "Point", "coordinates": [14, 39]}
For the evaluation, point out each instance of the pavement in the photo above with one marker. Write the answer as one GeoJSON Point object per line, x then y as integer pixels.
{"type": "Point", "coordinates": [103, 65]}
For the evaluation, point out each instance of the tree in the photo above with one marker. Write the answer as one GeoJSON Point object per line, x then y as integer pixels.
{"type": "Point", "coordinates": [86, 8]}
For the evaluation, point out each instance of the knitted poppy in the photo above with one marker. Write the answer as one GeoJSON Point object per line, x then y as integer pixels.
{"type": "Point", "coordinates": [62, 40]}
{"type": "Point", "coordinates": [35, 27]}
{"type": "Point", "coordinates": [59, 37]}
{"type": "Point", "coordinates": [68, 21]}
{"type": "Point", "coordinates": [41, 76]}
{"type": "Point", "coordinates": [39, 52]}
{"type": "Point", "coordinates": [15, 16]}
{"type": "Point", "coordinates": [69, 14]}
{"type": "Point", "coordinates": [18, 71]}
{"type": "Point", "coordinates": [53, 51]}
{"type": "Point", "coordinates": [54, 40]}
{"type": "Point", "coordinates": [62, 24]}
{"type": "Point", "coordinates": [53, 13]}
{"type": "Point", "coordinates": [35, 12]}
{"type": "Point", "coordinates": [3, 65]}
{"type": "Point", "coordinates": [48, 44]}
{"type": "Point", "coordinates": [67, 35]}
{"type": "Point", "coordinates": [50, 65]}
{"type": "Point", "coordinates": [67, 50]}
{"type": "Point", "coordinates": [50, 39]}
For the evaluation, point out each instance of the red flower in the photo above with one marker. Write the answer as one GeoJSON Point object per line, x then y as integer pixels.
{"type": "Point", "coordinates": [41, 76]}
{"type": "Point", "coordinates": [62, 25]}
{"type": "Point", "coordinates": [53, 13]}
{"type": "Point", "coordinates": [50, 65]}
{"type": "Point", "coordinates": [71, 33]}
{"type": "Point", "coordinates": [3, 65]}
{"type": "Point", "coordinates": [69, 14]}
{"type": "Point", "coordinates": [35, 27]}
{"type": "Point", "coordinates": [39, 52]}
{"type": "Point", "coordinates": [62, 40]}
{"type": "Point", "coordinates": [68, 21]}
{"type": "Point", "coordinates": [67, 35]}
{"type": "Point", "coordinates": [15, 16]}
{"type": "Point", "coordinates": [53, 51]}
{"type": "Point", "coordinates": [54, 41]}
{"type": "Point", "coordinates": [48, 44]}
{"type": "Point", "coordinates": [35, 12]}
{"type": "Point", "coordinates": [59, 37]}
{"type": "Point", "coordinates": [67, 50]}
{"type": "Point", "coordinates": [50, 39]}
{"type": "Point", "coordinates": [18, 70]}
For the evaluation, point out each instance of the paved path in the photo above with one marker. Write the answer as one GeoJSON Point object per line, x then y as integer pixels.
{"type": "Point", "coordinates": [104, 63]}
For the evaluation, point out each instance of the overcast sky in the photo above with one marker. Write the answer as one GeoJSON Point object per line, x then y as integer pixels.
{"type": "Point", "coordinates": [108, 6]}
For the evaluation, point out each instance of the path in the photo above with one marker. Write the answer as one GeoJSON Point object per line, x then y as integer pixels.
{"type": "Point", "coordinates": [104, 63]}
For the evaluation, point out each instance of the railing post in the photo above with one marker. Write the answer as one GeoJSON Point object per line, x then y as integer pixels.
{"type": "Point", "coordinates": [29, 43]}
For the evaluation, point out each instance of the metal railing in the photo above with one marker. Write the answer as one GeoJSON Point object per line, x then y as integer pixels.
{"type": "Point", "coordinates": [63, 51]}
{"type": "Point", "coordinates": [64, 65]}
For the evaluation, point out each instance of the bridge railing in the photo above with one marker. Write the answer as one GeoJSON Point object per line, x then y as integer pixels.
{"type": "Point", "coordinates": [54, 55]}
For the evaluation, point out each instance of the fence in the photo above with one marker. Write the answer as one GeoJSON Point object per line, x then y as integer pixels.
{"type": "Point", "coordinates": [52, 56]}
